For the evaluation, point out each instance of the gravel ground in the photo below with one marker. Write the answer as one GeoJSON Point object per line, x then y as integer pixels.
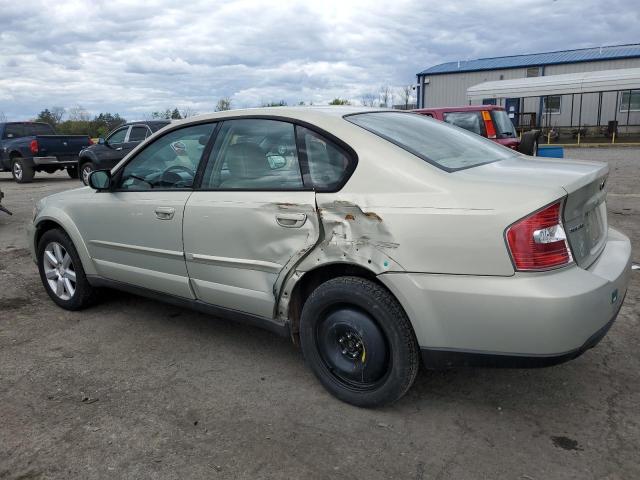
{"type": "Point", "coordinates": [137, 389]}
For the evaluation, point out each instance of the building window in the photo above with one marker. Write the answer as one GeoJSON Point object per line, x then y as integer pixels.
{"type": "Point", "coordinates": [489, 101]}
{"type": "Point", "coordinates": [533, 72]}
{"type": "Point", "coordinates": [551, 104]}
{"type": "Point", "coordinates": [630, 101]}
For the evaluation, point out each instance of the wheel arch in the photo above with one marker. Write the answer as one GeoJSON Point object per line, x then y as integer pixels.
{"type": "Point", "coordinates": [44, 223]}
{"type": "Point", "coordinates": [296, 292]}
{"type": "Point", "coordinates": [86, 157]}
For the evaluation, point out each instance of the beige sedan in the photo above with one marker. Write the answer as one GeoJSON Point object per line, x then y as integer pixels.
{"type": "Point", "coordinates": [374, 239]}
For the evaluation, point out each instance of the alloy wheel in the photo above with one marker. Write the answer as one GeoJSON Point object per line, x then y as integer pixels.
{"type": "Point", "coordinates": [86, 171]}
{"type": "Point", "coordinates": [17, 170]}
{"type": "Point", "coordinates": [59, 271]}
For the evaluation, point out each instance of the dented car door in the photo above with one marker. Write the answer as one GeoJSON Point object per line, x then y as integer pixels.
{"type": "Point", "coordinates": [251, 218]}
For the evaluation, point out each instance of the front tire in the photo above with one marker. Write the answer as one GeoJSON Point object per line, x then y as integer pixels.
{"type": "Point", "coordinates": [21, 172]}
{"type": "Point", "coordinates": [61, 272]}
{"type": "Point", "coordinates": [358, 342]}
{"type": "Point", "coordinates": [85, 171]}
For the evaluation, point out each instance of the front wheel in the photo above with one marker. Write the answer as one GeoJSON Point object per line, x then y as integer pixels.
{"type": "Point", "coordinates": [61, 272]}
{"type": "Point", "coordinates": [358, 341]}
{"type": "Point", "coordinates": [85, 171]}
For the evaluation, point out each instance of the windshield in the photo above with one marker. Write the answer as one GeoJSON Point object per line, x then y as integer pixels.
{"type": "Point", "coordinates": [447, 147]}
{"type": "Point", "coordinates": [503, 124]}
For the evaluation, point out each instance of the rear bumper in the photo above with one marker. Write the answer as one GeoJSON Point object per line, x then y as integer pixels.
{"type": "Point", "coordinates": [528, 319]}
{"type": "Point", "coordinates": [451, 358]}
{"type": "Point", "coordinates": [42, 161]}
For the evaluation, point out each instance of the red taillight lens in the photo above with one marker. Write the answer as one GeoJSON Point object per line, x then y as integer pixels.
{"type": "Point", "coordinates": [538, 242]}
{"type": "Point", "coordinates": [33, 146]}
{"type": "Point", "coordinates": [90, 141]}
{"type": "Point", "coordinates": [488, 124]}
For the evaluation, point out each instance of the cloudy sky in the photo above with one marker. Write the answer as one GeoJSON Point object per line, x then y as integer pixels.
{"type": "Point", "coordinates": [135, 57]}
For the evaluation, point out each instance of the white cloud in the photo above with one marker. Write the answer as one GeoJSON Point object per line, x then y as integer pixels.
{"type": "Point", "coordinates": [135, 57]}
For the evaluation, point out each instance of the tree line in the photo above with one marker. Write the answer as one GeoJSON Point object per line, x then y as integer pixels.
{"type": "Point", "coordinates": [384, 98]}
{"type": "Point", "coordinates": [77, 120]}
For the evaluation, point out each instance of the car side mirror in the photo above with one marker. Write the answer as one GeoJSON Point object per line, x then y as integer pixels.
{"type": "Point", "coordinates": [101, 141]}
{"type": "Point", "coordinates": [100, 180]}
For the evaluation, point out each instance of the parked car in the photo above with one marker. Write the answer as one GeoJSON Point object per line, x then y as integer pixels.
{"type": "Point", "coordinates": [490, 121]}
{"type": "Point", "coordinates": [29, 147]}
{"type": "Point", "coordinates": [372, 238]}
{"type": "Point", "coordinates": [108, 152]}
{"type": "Point", "coordinates": [3, 209]}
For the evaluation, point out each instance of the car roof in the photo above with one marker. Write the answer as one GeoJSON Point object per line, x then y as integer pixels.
{"type": "Point", "coordinates": [463, 108]}
{"type": "Point", "coordinates": [311, 113]}
{"type": "Point", "coordinates": [148, 122]}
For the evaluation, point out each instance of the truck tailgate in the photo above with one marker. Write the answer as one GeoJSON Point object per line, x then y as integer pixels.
{"type": "Point", "coordinates": [61, 145]}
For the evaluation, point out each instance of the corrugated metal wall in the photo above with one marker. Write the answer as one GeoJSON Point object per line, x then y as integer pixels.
{"type": "Point", "coordinates": [450, 90]}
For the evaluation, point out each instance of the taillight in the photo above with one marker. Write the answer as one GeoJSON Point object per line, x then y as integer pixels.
{"type": "Point", "coordinates": [488, 124]}
{"type": "Point", "coordinates": [539, 242]}
{"type": "Point", "coordinates": [33, 146]}
{"type": "Point", "coordinates": [90, 141]}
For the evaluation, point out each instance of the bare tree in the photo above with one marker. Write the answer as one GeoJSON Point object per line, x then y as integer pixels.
{"type": "Point", "coordinates": [368, 100]}
{"type": "Point", "coordinates": [3, 117]}
{"type": "Point", "coordinates": [223, 104]}
{"type": "Point", "coordinates": [57, 113]}
{"type": "Point", "coordinates": [385, 95]}
{"type": "Point", "coordinates": [406, 95]}
{"type": "Point", "coordinates": [78, 114]}
{"type": "Point", "coordinates": [188, 112]}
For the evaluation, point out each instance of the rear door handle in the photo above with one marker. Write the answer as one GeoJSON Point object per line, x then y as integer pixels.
{"type": "Point", "coordinates": [165, 213]}
{"type": "Point", "coordinates": [291, 220]}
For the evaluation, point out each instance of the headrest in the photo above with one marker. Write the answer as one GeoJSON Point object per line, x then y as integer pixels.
{"type": "Point", "coordinates": [246, 160]}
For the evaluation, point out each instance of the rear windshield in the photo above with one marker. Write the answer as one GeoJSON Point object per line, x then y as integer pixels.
{"type": "Point", "coordinates": [17, 130]}
{"type": "Point", "coordinates": [447, 147]}
{"type": "Point", "coordinates": [471, 121]}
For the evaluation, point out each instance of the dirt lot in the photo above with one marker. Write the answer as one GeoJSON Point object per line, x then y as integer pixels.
{"type": "Point", "coordinates": [137, 389]}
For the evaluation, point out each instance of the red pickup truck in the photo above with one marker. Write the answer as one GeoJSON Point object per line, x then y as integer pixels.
{"type": "Point", "coordinates": [490, 121]}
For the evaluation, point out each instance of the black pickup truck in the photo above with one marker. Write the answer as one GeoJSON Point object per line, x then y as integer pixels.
{"type": "Point", "coordinates": [29, 147]}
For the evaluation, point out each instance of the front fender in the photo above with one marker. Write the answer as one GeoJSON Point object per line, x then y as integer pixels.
{"type": "Point", "coordinates": [59, 217]}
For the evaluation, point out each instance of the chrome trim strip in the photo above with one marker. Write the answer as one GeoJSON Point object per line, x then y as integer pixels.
{"type": "Point", "coordinates": [137, 248]}
{"type": "Point", "coordinates": [235, 262]}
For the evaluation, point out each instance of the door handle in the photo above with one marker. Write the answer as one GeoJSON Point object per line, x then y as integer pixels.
{"type": "Point", "coordinates": [291, 220]}
{"type": "Point", "coordinates": [165, 213]}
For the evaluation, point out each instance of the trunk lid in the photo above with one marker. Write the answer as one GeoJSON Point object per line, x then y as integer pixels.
{"type": "Point", "coordinates": [585, 211]}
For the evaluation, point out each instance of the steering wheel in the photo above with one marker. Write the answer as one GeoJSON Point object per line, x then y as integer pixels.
{"type": "Point", "coordinates": [167, 177]}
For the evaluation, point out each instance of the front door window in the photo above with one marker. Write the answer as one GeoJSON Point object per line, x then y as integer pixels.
{"type": "Point", "coordinates": [169, 162]}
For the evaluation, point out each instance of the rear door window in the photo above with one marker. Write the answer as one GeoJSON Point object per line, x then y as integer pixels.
{"type": "Point", "coordinates": [254, 154]}
{"type": "Point", "coordinates": [138, 133]}
{"type": "Point", "coordinates": [471, 121]}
